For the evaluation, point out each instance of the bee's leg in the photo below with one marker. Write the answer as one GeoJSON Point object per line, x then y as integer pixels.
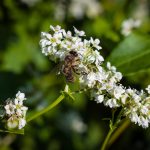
{"type": "Point", "coordinates": [69, 76]}
{"type": "Point", "coordinates": [76, 70]}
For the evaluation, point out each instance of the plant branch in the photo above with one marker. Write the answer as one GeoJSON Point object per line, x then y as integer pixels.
{"type": "Point", "coordinates": [113, 127]}
{"type": "Point", "coordinates": [119, 131]}
{"type": "Point", "coordinates": [51, 106]}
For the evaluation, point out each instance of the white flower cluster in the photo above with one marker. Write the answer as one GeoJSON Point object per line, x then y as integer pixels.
{"type": "Point", "coordinates": [16, 112]}
{"type": "Point", "coordinates": [103, 82]}
{"type": "Point", "coordinates": [128, 25]}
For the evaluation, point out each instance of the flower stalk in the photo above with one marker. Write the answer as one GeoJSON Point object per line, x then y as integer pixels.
{"type": "Point", "coordinates": [51, 106]}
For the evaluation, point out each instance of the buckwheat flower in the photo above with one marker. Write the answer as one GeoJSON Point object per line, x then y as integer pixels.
{"type": "Point", "coordinates": [16, 112]}
{"type": "Point", "coordinates": [134, 117]}
{"type": "Point", "coordinates": [99, 98]}
{"type": "Point", "coordinates": [143, 122]}
{"type": "Point", "coordinates": [111, 103]}
{"type": "Point", "coordinates": [91, 79]}
{"type": "Point", "coordinates": [118, 76]}
{"type": "Point", "coordinates": [67, 34]}
{"type": "Point", "coordinates": [95, 43]}
{"type": "Point", "coordinates": [95, 57]}
{"type": "Point", "coordinates": [118, 92]}
{"type": "Point", "coordinates": [22, 123]}
{"type": "Point", "coordinates": [10, 108]}
{"type": "Point", "coordinates": [148, 89]}
{"type": "Point", "coordinates": [101, 76]}
{"type": "Point", "coordinates": [20, 96]}
{"type": "Point", "coordinates": [136, 97]}
{"type": "Point", "coordinates": [79, 33]}
{"type": "Point", "coordinates": [56, 29]}
{"type": "Point", "coordinates": [144, 110]}
{"type": "Point", "coordinates": [110, 67]}
{"type": "Point", "coordinates": [124, 98]}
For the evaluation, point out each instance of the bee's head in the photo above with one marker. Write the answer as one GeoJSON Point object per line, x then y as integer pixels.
{"type": "Point", "coordinates": [73, 53]}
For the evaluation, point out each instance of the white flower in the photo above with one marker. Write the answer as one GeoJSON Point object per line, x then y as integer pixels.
{"type": "Point", "coordinates": [22, 123]}
{"type": "Point", "coordinates": [144, 109]}
{"type": "Point", "coordinates": [95, 43]}
{"type": "Point", "coordinates": [79, 33]}
{"type": "Point", "coordinates": [118, 91]}
{"type": "Point", "coordinates": [56, 29]}
{"type": "Point", "coordinates": [95, 57]}
{"type": "Point", "coordinates": [112, 68]}
{"type": "Point", "coordinates": [148, 89]}
{"type": "Point", "coordinates": [134, 117]}
{"type": "Point", "coordinates": [111, 103]}
{"type": "Point", "coordinates": [118, 76]}
{"type": "Point", "coordinates": [99, 98]}
{"type": "Point", "coordinates": [91, 79]}
{"type": "Point", "coordinates": [67, 34]}
{"type": "Point", "coordinates": [124, 98]}
{"type": "Point", "coordinates": [136, 97]}
{"type": "Point", "coordinates": [16, 112]}
{"type": "Point", "coordinates": [20, 96]}
{"type": "Point", "coordinates": [143, 122]}
{"type": "Point", "coordinates": [10, 108]}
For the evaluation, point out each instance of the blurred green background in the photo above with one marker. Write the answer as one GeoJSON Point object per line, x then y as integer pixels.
{"type": "Point", "coordinates": [74, 125]}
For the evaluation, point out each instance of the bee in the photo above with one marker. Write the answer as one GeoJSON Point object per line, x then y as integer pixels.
{"type": "Point", "coordinates": [70, 66]}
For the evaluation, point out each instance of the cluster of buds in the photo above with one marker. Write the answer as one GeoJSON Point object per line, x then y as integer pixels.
{"type": "Point", "coordinates": [16, 112]}
{"type": "Point", "coordinates": [103, 82]}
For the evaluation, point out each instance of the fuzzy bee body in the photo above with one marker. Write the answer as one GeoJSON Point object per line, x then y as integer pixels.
{"type": "Point", "coordinates": [70, 66]}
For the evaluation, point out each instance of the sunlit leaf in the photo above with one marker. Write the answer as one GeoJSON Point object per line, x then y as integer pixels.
{"type": "Point", "coordinates": [132, 55]}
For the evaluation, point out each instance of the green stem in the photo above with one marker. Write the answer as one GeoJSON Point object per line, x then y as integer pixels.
{"type": "Point", "coordinates": [55, 103]}
{"type": "Point", "coordinates": [113, 126]}
{"type": "Point", "coordinates": [107, 138]}
{"type": "Point", "coordinates": [119, 131]}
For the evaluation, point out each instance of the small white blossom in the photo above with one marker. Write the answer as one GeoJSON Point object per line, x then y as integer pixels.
{"type": "Point", "coordinates": [56, 29]}
{"type": "Point", "coordinates": [134, 117]}
{"type": "Point", "coordinates": [20, 96]}
{"type": "Point", "coordinates": [143, 122]}
{"type": "Point", "coordinates": [148, 89]}
{"type": "Point", "coordinates": [79, 33]}
{"type": "Point", "coordinates": [16, 112]}
{"type": "Point", "coordinates": [112, 103]}
{"type": "Point", "coordinates": [10, 108]}
{"type": "Point", "coordinates": [118, 92]}
{"type": "Point", "coordinates": [95, 43]}
{"type": "Point", "coordinates": [99, 98]}
{"type": "Point", "coordinates": [22, 123]}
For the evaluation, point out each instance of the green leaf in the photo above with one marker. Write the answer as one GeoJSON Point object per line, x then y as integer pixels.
{"type": "Point", "coordinates": [20, 54]}
{"type": "Point", "coordinates": [132, 55]}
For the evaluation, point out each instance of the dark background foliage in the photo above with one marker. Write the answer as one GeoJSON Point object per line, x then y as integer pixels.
{"type": "Point", "coordinates": [74, 125]}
